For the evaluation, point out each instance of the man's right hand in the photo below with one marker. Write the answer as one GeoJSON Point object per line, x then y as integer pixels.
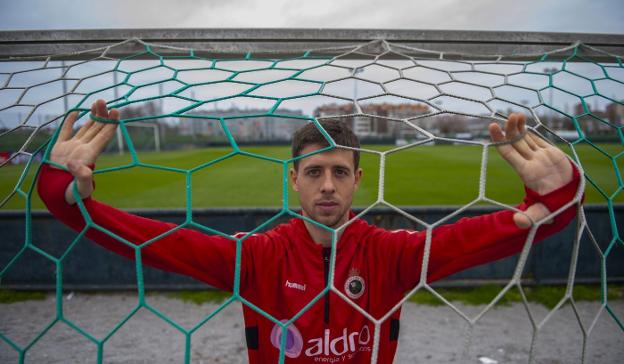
{"type": "Point", "coordinates": [78, 152]}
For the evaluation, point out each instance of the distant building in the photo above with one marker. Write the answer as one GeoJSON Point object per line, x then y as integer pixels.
{"type": "Point", "coordinates": [592, 121]}
{"type": "Point", "coordinates": [376, 126]}
{"type": "Point", "coordinates": [598, 121]}
{"type": "Point", "coordinates": [241, 125]}
{"type": "Point", "coordinates": [615, 113]}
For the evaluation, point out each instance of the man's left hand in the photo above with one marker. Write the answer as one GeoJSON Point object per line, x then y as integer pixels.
{"type": "Point", "coordinates": [541, 166]}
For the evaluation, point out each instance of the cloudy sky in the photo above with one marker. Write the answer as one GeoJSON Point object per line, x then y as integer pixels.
{"type": "Point", "coordinates": [597, 16]}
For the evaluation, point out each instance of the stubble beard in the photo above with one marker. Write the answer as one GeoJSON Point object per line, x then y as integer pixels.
{"type": "Point", "coordinates": [330, 221]}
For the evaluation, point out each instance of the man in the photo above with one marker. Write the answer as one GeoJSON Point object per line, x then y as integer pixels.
{"type": "Point", "coordinates": [284, 269]}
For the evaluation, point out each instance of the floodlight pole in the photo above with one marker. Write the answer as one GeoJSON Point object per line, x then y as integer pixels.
{"type": "Point", "coordinates": [65, 103]}
{"type": "Point", "coordinates": [551, 71]}
{"type": "Point", "coordinates": [120, 145]}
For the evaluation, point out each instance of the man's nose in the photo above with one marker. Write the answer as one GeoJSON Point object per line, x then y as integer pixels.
{"type": "Point", "coordinates": [328, 185]}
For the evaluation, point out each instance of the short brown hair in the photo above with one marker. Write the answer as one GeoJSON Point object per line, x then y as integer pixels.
{"type": "Point", "coordinates": [339, 132]}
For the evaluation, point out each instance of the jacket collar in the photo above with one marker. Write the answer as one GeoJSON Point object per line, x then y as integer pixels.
{"type": "Point", "coordinates": [303, 234]}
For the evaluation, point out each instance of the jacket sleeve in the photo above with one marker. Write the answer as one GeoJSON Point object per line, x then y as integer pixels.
{"type": "Point", "coordinates": [210, 259]}
{"type": "Point", "coordinates": [476, 240]}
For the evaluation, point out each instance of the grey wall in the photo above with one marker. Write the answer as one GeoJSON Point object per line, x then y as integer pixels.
{"type": "Point", "coordinates": [89, 266]}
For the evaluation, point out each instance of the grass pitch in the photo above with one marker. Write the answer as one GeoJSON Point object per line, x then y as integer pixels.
{"type": "Point", "coordinates": [425, 175]}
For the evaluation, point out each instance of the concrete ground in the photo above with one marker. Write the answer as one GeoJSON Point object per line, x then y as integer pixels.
{"type": "Point", "coordinates": [428, 334]}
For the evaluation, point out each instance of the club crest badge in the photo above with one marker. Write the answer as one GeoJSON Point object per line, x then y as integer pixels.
{"type": "Point", "coordinates": [354, 285]}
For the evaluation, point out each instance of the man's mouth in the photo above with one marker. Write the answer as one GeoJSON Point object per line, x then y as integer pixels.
{"type": "Point", "coordinates": [327, 206]}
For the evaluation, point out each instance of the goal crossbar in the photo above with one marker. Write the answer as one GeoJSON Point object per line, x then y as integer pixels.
{"type": "Point", "coordinates": [280, 42]}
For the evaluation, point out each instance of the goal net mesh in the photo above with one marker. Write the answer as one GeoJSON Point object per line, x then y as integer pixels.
{"type": "Point", "coordinates": [395, 97]}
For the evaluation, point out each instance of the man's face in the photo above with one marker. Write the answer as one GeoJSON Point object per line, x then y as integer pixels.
{"type": "Point", "coordinates": [326, 183]}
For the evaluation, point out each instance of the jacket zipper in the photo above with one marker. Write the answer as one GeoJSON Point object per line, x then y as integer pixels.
{"type": "Point", "coordinates": [326, 256]}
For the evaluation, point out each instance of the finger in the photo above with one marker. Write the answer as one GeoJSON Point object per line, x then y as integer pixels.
{"type": "Point", "coordinates": [496, 133]}
{"type": "Point", "coordinates": [530, 142]}
{"type": "Point", "coordinates": [84, 177]}
{"type": "Point", "coordinates": [521, 127]}
{"type": "Point", "coordinates": [505, 150]}
{"type": "Point", "coordinates": [521, 122]}
{"type": "Point", "coordinates": [101, 109]}
{"type": "Point", "coordinates": [534, 213]}
{"type": "Point", "coordinates": [539, 141]}
{"type": "Point", "coordinates": [522, 221]}
{"type": "Point", "coordinates": [522, 130]}
{"type": "Point", "coordinates": [511, 129]}
{"type": "Point", "coordinates": [84, 129]}
{"type": "Point", "coordinates": [93, 131]}
{"type": "Point", "coordinates": [113, 114]}
{"type": "Point", "coordinates": [513, 132]}
{"type": "Point", "coordinates": [87, 125]}
{"type": "Point", "coordinates": [103, 137]}
{"type": "Point", "coordinates": [68, 126]}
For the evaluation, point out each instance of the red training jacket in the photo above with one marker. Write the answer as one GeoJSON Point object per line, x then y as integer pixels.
{"type": "Point", "coordinates": [282, 270]}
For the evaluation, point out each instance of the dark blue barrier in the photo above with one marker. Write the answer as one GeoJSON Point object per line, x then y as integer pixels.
{"type": "Point", "coordinates": [89, 266]}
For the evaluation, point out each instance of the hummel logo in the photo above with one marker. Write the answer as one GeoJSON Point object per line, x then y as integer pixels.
{"type": "Point", "coordinates": [301, 287]}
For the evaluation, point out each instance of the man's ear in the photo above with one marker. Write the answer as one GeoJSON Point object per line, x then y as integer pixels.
{"type": "Point", "coordinates": [358, 177]}
{"type": "Point", "coordinates": [293, 179]}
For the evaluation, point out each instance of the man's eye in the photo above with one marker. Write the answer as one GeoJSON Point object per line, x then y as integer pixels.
{"type": "Point", "coordinates": [341, 172]}
{"type": "Point", "coordinates": [313, 173]}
